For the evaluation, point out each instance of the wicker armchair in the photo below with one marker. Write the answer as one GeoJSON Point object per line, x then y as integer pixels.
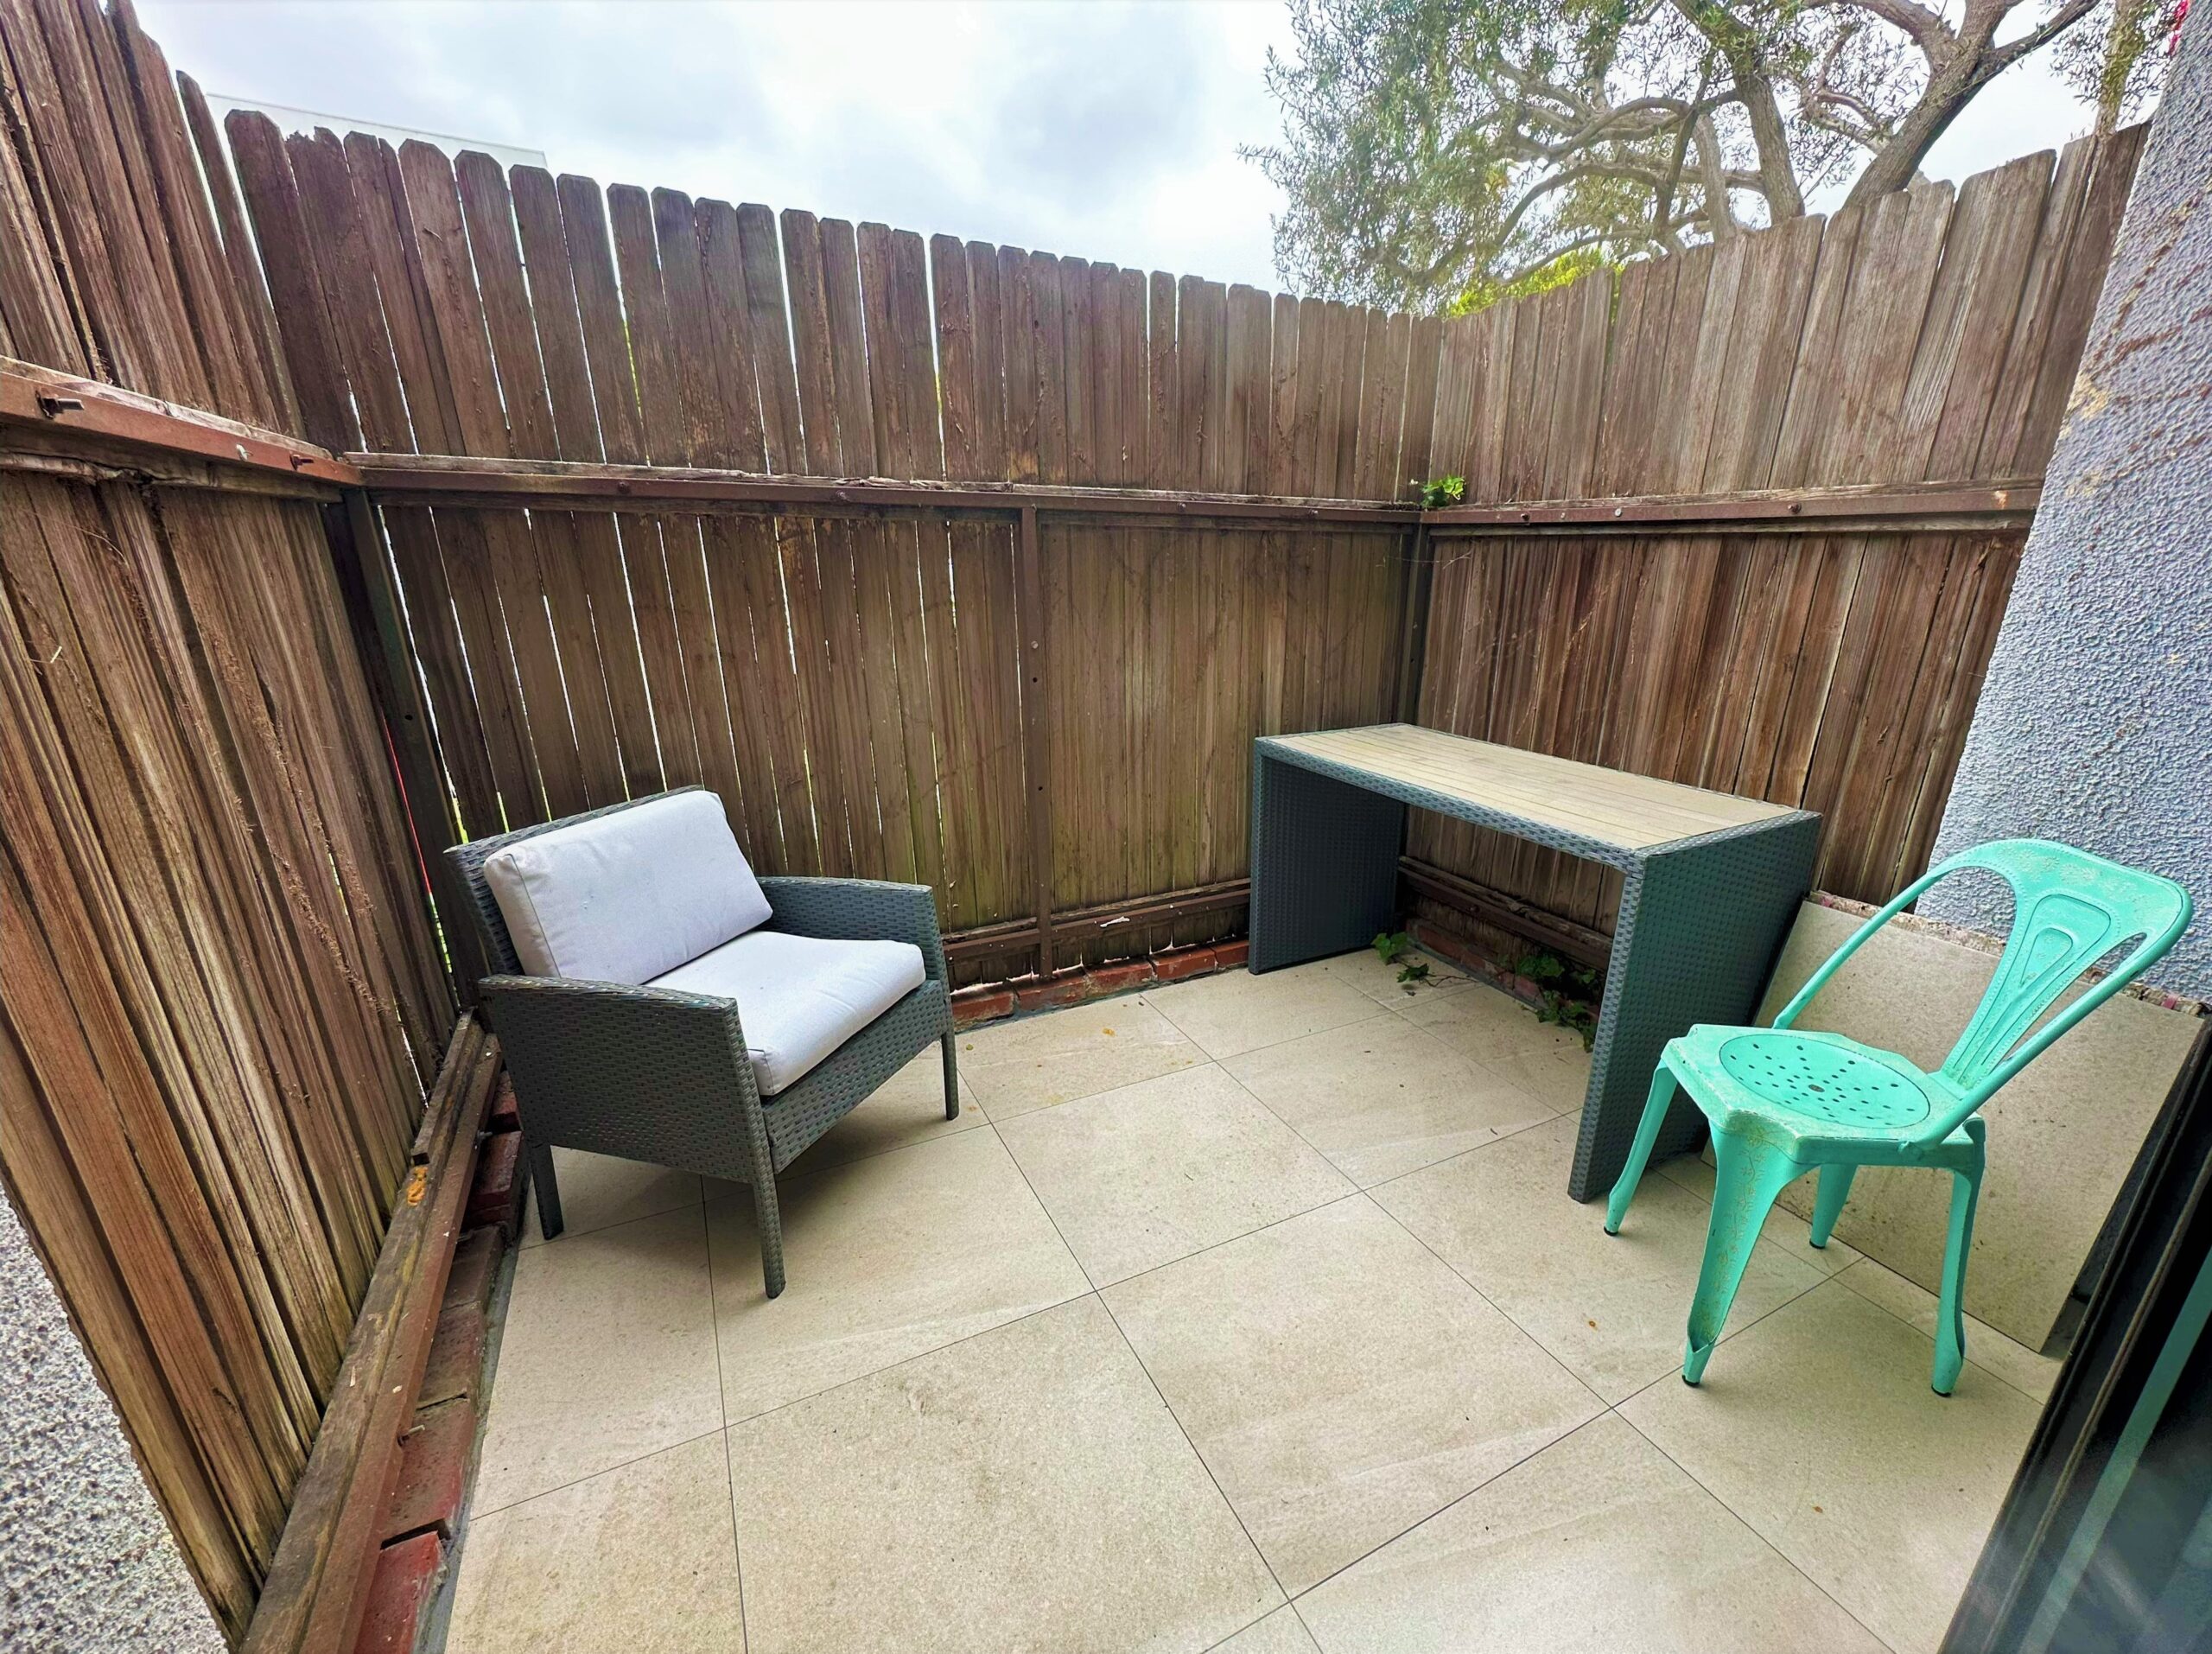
{"type": "Point", "coordinates": [664, 1075]}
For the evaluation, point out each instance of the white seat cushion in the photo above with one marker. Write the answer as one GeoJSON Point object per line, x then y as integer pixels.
{"type": "Point", "coordinates": [626, 896]}
{"type": "Point", "coordinates": [800, 997]}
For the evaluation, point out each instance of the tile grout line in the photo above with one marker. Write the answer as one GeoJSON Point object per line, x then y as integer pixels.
{"type": "Point", "coordinates": [1368, 1188]}
{"type": "Point", "coordinates": [571, 1233]}
{"type": "Point", "coordinates": [1355, 1193]}
{"type": "Point", "coordinates": [981, 1332]}
{"type": "Point", "coordinates": [981, 1119]}
{"type": "Point", "coordinates": [1228, 1503]}
{"type": "Point", "coordinates": [1539, 1344]}
{"type": "Point", "coordinates": [1142, 996]}
{"type": "Point", "coordinates": [2040, 1400]}
{"type": "Point", "coordinates": [1503, 1314]}
{"type": "Point", "coordinates": [1060, 1234]}
{"type": "Point", "coordinates": [1859, 1257]}
{"type": "Point", "coordinates": [722, 1406]}
{"type": "Point", "coordinates": [1441, 1509]}
{"type": "Point", "coordinates": [1496, 1136]}
{"type": "Point", "coordinates": [475, 1514]}
{"type": "Point", "coordinates": [1166, 1406]}
{"type": "Point", "coordinates": [1375, 1010]}
{"type": "Point", "coordinates": [1214, 1246]}
{"type": "Point", "coordinates": [904, 1360]}
{"type": "Point", "coordinates": [728, 1425]}
{"type": "Point", "coordinates": [1461, 1276]}
{"type": "Point", "coordinates": [476, 1511]}
{"type": "Point", "coordinates": [1404, 1014]}
{"type": "Point", "coordinates": [1747, 1526]}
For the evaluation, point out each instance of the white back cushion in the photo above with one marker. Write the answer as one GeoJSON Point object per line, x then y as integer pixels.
{"type": "Point", "coordinates": [627, 896]}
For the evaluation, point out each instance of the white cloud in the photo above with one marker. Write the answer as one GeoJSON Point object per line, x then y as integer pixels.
{"type": "Point", "coordinates": [1106, 130]}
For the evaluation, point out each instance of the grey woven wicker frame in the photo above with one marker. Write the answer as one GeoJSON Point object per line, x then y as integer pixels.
{"type": "Point", "coordinates": [1701, 920]}
{"type": "Point", "coordinates": [653, 1074]}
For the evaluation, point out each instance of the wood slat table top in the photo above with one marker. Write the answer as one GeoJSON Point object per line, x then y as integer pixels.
{"type": "Point", "coordinates": [1631, 812]}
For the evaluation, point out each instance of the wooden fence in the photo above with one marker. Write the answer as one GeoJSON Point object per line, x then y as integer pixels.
{"type": "Point", "coordinates": [220, 994]}
{"type": "Point", "coordinates": [859, 691]}
{"type": "Point", "coordinates": [866, 692]}
{"type": "Point", "coordinates": [1924, 338]}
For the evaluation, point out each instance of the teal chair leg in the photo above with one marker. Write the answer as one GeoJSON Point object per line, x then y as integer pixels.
{"type": "Point", "coordinates": [1647, 1133]}
{"type": "Point", "coordinates": [1950, 1314]}
{"type": "Point", "coordinates": [1747, 1178]}
{"type": "Point", "coordinates": [1827, 1200]}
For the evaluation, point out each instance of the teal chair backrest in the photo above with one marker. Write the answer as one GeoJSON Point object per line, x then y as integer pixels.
{"type": "Point", "coordinates": [2070, 909]}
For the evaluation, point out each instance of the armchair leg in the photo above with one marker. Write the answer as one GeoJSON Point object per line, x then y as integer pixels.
{"type": "Point", "coordinates": [760, 1174]}
{"type": "Point", "coordinates": [769, 1218]}
{"type": "Point", "coordinates": [545, 1190]}
{"type": "Point", "coordinates": [951, 1079]}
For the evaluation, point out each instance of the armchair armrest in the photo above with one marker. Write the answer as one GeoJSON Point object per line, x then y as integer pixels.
{"type": "Point", "coordinates": [860, 910]}
{"type": "Point", "coordinates": [649, 1073]}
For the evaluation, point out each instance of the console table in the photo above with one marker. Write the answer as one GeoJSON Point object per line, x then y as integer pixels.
{"type": "Point", "coordinates": [1711, 884]}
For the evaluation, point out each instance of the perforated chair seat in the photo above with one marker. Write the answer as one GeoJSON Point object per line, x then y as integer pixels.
{"type": "Point", "coordinates": [1827, 1085]}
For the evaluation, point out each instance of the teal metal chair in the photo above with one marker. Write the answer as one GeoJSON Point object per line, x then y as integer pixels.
{"type": "Point", "coordinates": [1783, 1102]}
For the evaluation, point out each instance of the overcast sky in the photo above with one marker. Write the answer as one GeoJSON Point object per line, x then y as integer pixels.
{"type": "Point", "coordinates": [1107, 130]}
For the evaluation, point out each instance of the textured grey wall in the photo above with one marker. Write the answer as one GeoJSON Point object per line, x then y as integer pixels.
{"type": "Point", "coordinates": [86, 1561]}
{"type": "Point", "coordinates": [2095, 724]}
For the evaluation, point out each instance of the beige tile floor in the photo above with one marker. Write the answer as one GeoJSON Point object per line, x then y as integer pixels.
{"type": "Point", "coordinates": [1249, 1315]}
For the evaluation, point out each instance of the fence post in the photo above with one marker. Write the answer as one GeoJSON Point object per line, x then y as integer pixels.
{"type": "Point", "coordinates": [1037, 756]}
{"type": "Point", "coordinates": [1420, 570]}
{"type": "Point", "coordinates": [357, 550]}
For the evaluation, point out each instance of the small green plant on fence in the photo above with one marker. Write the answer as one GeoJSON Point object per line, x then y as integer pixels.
{"type": "Point", "coordinates": [1570, 992]}
{"type": "Point", "coordinates": [1390, 946]}
{"type": "Point", "coordinates": [1438, 492]}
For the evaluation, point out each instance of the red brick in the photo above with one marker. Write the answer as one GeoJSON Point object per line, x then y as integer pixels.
{"type": "Point", "coordinates": [1445, 945]}
{"type": "Point", "coordinates": [433, 1470]}
{"type": "Point", "coordinates": [405, 1578]}
{"type": "Point", "coordinates": [495, 1197]}
{"type": "Point", "coordinates": [457, 1364]}
{"type": "Point", "coordinates": [971, 1006]}
{"type": "Point", "coordinates": [1069, 988]}
{"type": "Point", "coordinates": [1112, 979]}
{"type": "Point", "coordinates": [1483, 967]}
{"type": "Point", "coordinates": [1232, 955]}
{"type": "Point", "coordinates": [1040, 996]}
{"type": "Point", "coordinates": [1185, 962]}
{"type": "Point", "coordinates": [506, 1114]}
{"type": "Point", "coordinates": [475, 1269]}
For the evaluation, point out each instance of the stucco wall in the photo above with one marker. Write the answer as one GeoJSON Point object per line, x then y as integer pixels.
{"type": "Point", "coordinates": [2095, 724]}
{"type": "Point", "coordinates": [86, 1561]}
